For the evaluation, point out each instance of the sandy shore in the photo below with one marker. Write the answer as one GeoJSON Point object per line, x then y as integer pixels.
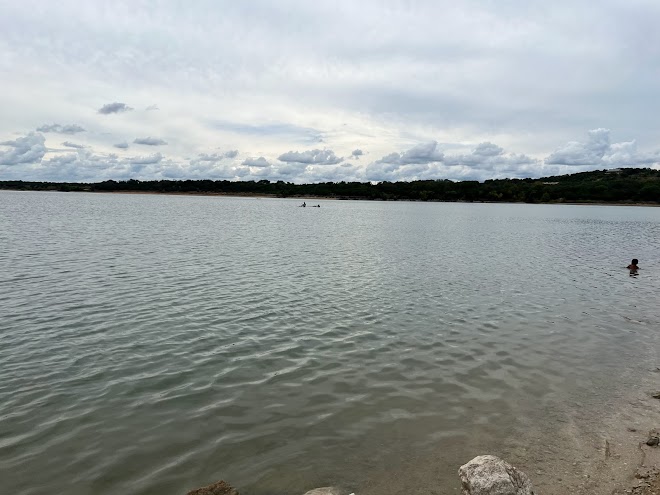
{"type": "Point", "coordinates": [343, 198]}
{"type": "Point", "coordinates": [611, 455]}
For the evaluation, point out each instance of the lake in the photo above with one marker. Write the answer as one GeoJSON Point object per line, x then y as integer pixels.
{"type": "Point", "coordinates": [152, 344]}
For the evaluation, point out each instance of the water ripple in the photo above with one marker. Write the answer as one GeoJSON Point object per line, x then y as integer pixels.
{"type": "Point", "coordinates": [151, 344]}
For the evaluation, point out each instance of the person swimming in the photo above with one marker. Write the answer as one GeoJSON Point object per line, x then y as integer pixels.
{"type": "Point", "coordinates": [633, 265]}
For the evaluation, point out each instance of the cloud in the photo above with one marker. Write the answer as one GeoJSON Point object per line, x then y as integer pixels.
{"type": "Point", "coordinates": [61, 129]}
{"type": "Point", "coordinates": [316, 157]}
{"type": "Point", "coordinates": [150, 141]}
{"type": "Point", "coordinates": [357, 154]}
{"type": "Point", "coordinates": [256, 162]}
{"type": "Point", "coordinates": [69, 144]}
{"type": "Point", "coordinates": [487, 149]}
{"type": "Point", "coordinates": [151, 108]}
{"type": "Point", "coordinates": [494, 71]}
{"type": "Point", "coordinates": [216, 157]}
{"type": "Point", "coordinates": [292, 171]}
{"type": "Point", "coordinates": [123, 145]}
{"type": "Point", "coordinates": [426, 161]}
{"type": "Point", "coordinates": [590, 152]}
{"type": "Point", "coordinates": [28, 149]}
{"type": "Point", "coordinates": [421, 154]}
{"type": "Point", "coordinates": [146, 160]}
{"type": "Point", "coordinates": [83, 165]}
{"type": "Point", "coordinates": [115, 107]}
{"type": "Point", "coordinates": [333, 173]}
{"type": "Point", "coordinates": [488, 156]}
{"type": "Point", "coordinates": [283, 131]}
{"type": "Point", "coordinates": [598, 152]}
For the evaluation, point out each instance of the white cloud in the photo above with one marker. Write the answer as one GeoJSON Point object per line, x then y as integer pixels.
{"type": "Point", "coordinates": [316, 157]}
{"type": "Point", "coordinates": [344, 172]}
{"type": "Point", "coordinates": [488, 156]}
{"type": "Point", "coordinates": [27, 149]}
{"type": "Point", "coordinates": [146, 160]}
{"type": "Point", "coordinates": [427, 161]}
{"type": "Point", "coordinates": [598, 152]}
{"type": "Point", "coordinates": [269, 77]}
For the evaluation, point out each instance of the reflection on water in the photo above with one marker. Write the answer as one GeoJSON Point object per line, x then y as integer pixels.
{"type": "Point", "coordinates": [150, 344]}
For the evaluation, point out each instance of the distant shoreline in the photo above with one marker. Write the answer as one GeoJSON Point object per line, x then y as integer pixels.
{"type": "Point", "coordinates": [341, 198]}
{"type": "Point", "coordinates": [620, 187]}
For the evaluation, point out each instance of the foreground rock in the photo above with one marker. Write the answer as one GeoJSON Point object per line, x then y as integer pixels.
{"type": "Point", "coordinates": [490, 475]}
{"type": "Point", "coordinates": [325, 490]}
{"type": "Point", "coordinates": [217, 488]}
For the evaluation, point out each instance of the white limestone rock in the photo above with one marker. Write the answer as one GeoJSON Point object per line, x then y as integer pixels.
{"type": "Point", "coordinates": [490, 475]}
{"type": "Point", "coordinates": [326, 490]}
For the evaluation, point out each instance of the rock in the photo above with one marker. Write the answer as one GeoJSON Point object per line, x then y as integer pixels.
{"type": "Point", "coordinates": [490, 475]}
{"type": "Point", "coordinates": [325, 490]}
{"type": "Point", "coordinates": [656, 395]}
{"type": "Point", "coordinates": [653, 441]}
{"type": "Point", "coordinates": [217, 488]}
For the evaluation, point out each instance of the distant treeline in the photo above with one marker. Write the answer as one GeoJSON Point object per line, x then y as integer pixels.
{"type": "Point", "coordinates": [628, 185]}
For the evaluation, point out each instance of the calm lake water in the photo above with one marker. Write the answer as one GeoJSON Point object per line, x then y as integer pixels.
{"type": "Point", "coordinates": [153, 344]}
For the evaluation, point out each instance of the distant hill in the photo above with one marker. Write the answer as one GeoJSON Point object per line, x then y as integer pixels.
{"type": "Point", "coordinates": [628, 186]}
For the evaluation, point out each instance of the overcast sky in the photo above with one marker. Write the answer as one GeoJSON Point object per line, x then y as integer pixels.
{"type": "Point", "coordinates": [310, 91]}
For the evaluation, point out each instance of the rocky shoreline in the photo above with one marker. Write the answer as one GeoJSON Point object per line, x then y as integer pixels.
{"type": "Point", "coordinates": [624, 460]}
{"type": "Point", "coordinates": [490, 475]}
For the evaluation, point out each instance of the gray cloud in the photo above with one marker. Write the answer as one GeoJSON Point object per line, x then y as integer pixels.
{"type": "Point", "coordinates": [290, 171]}
{"type": "Point", "coordinates": [420, 154]}
{"type": "Point", "coordinates": [123, 145]}
{"type": "Point", "coordinates": [196, 169]}
{"type": "Point", "coordinates": [256, 162]}
{"type": "Point", "coordinates": [392, 171]}
{"type": "Point", "coordinates": [83, 165]}
{"type": "Point", "coordinates": [582, 153]}
{"type": "Point", "coordinates": [146, 160]}
{"type": "Point", "coordinates": [61, 129]}
{"type": "Point", "coordinates": [315, 157]}
{"type": "Point", "coordinates": [150, 141]}
{"type": "Point", "coordinates": [357, 154]}
{"type": "Point", "coordinates": [28, 149]}
{"type": "Point", "coordinates": [488, 156]}
{"type": "Point", "coordinates": [475, 78]}
{"type": "Point", "coordinates": [151, 108]}
{"type": "Point", "coordinates": [115, 107]}
{"type": "Point", "coordinates": [487, 149]}
{"type": "Point", "coordinates": [426, 161]}
{"type": "Point", "coordinates": [597, 151]}
{"type": "Point", "coordinates": [69, 144]}
{"type": "Point", "coordinates": [216, 157]}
